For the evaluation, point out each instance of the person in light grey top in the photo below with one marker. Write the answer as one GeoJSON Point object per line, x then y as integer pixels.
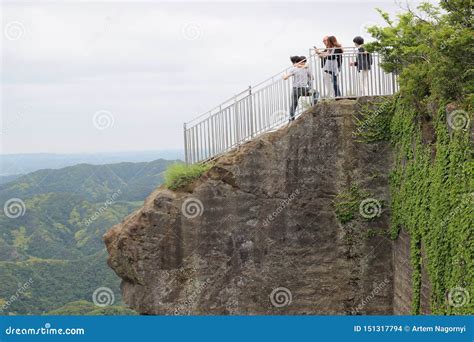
{"type": "Point", "coordinates": [301, 75]}
{"type": "Point", "coordinates": [301, 83]}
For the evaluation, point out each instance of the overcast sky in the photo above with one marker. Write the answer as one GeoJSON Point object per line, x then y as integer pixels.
{"type": "Point", "coordinates": [102, 76]}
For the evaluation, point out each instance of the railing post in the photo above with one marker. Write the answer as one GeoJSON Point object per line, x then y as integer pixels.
{"type": "Point", "coordinates": [236, 122]}
{"type": "Point", "coordinates": [252, 107]}
{"type": "Point", "coordinates": [251, 112]}
{"type": "Point", "coordinates": [186, 159]}
{"type": "Point", "coordinates": [221, 130]}
{"type": "Point", "coordinates": [309, 63]}
{"type": "Point", "coordinates": [394, 83]}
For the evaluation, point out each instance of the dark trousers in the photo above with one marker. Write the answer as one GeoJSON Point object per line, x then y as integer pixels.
{"type": "Point", "coordinates": [337, 91]}
{"type": "Point", "coordinates": [295, 96]}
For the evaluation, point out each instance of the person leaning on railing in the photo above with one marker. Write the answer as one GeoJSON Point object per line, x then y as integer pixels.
{"type": "Point", "coordinates": [332, 57]}
{"type": "Point", "coordinates": [301, 79]}
{"type": "Point", "coordinates": [326, 77]}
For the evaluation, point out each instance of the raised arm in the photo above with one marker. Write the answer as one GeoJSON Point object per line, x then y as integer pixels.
{"type": "Point", "coordinates": [288, 75]}
{"type": "Point", "coordinates": [321, 53]}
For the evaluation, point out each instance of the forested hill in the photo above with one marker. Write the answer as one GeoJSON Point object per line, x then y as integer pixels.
{"type": "Point", "coordinates": [93, 182]}
{"type": "Point", "coordinates": [51, 227]}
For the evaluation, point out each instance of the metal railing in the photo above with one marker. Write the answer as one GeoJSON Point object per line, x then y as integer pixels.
{"type": "Point", "coordinates": [266, 106]}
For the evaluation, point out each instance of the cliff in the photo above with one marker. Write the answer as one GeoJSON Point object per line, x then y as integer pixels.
{"type": "Point", "coordinates": [262, 231]}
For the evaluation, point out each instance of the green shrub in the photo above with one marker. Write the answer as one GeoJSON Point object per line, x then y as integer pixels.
{"type": "Point", "coordinates": [179, 175]}
{"type": "Point", "coordinates": [431, 179]}
{"type": "Point", "coordinates": [85, 308]}
{"type": "Point", "coordinates": [373, 121]}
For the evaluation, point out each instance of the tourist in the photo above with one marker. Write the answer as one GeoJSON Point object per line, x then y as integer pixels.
{"type": "Point", "coordinates": [301, 83]}
{"type": "Point", "coordinates": [332, 56]}
{"type": "Point", "coordinates": [363, 63]}
{"type": "Point", "coordinates": [327, 79]}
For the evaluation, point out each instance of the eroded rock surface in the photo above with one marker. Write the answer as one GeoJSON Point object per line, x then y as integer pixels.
{"type": "Point", "coordinates": [267, 222]}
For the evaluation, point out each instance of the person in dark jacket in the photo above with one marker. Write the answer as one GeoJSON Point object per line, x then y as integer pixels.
{"type": "Point", "coordinates": [363, 64]}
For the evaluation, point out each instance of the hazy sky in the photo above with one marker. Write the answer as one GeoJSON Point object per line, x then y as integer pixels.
{"type": "Point", "coordinates": [97, 76]}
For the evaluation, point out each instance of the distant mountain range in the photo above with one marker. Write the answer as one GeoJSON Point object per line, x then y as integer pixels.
{"type": "Point", "coordinates": [19, 164]}
{"type": "Point", "coordinates": [6, 179]}
{"type": "Point", "coordinates": [51, 229]}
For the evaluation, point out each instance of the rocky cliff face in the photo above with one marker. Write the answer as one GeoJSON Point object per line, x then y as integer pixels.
{"type": "Point", "coordinates": [258, 233]}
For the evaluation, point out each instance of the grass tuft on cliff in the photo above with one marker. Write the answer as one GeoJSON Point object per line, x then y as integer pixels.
{"type": "Point", "coordinates": [180, 175]}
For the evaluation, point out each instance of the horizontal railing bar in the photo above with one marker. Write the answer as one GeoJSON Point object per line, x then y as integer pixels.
{"type": "Point", "coordinates": [246, 90]}
{"type": "Point", "coordinates": [269, 104]}
{"type": "Point", "coordinates": [217, 107]}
